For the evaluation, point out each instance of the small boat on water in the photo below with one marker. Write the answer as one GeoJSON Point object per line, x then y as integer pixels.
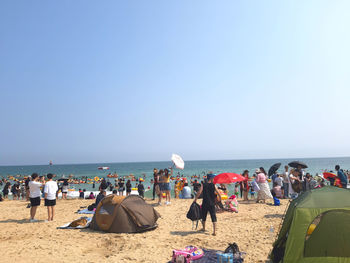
{"type": "Point", "coordinates": [103, 168]}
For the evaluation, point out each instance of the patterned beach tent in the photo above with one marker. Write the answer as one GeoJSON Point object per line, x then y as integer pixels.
{"type": "Point", "coordinates": [119, 214]}
{"type": "Point", "coordinates": [316, 228]}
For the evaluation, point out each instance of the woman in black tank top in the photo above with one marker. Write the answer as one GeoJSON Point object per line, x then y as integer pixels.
{"type": "Point", "coordinates": [210, 192]}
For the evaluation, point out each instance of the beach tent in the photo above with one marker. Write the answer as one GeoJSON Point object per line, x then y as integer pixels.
{"type": "Point", "coordinates": [316, 228]}
{"type": "Point", "coordinates": [119, 214]}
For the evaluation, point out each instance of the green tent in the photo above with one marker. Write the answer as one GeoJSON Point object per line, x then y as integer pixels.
{"type": "Point", "coordinates": [316, 228]}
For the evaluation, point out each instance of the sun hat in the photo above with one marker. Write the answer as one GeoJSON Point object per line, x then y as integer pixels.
{"type": "Point", "coordinates": [257, 170]}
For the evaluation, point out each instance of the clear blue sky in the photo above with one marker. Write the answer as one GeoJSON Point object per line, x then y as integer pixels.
{"type": "Point", "coordinates": [113, 81]}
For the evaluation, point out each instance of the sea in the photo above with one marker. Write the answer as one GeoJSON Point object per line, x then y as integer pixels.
{"type": "Point", "coordinates": [145, 169]}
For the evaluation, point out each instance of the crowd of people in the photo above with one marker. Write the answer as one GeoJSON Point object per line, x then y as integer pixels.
{"type": "Point", "coordinates": [289, 184]}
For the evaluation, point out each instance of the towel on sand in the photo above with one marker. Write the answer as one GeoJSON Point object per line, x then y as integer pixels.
{"type": "Point", "coordinates": [85, 211]}
{"type": "Point", "coordinates": [85, 220]}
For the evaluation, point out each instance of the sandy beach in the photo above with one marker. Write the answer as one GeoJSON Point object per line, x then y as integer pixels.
{"type": "Point", "coordinates": [22, 241]}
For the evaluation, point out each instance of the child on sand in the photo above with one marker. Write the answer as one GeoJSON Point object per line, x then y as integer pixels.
{"type": "Point", "coordinates": [236, 189]}
{"type": "Point", "coordinates": [50, 190]}
{"type": "Point", "coordinates": [141, 189]}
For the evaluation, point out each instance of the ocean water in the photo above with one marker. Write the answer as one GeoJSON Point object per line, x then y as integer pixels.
{"type": "Point", "coordinates": [315, 165]}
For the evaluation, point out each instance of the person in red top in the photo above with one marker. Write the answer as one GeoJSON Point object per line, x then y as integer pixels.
{"type": "Point", "coordinates": [245, 185]}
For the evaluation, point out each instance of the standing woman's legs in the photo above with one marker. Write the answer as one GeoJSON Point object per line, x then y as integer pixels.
{"type": "Point", "coordinates": [213, 218]}
{"type": "Point", "coordinates": [48, 213]}
{"type": "Point", "coordinates": [160, 185]}
{"type": "Point", "coordinates": [168, 192]}
{"type": "Point", "coordinates": [154, 190]}
{"type": "Point", "coordinates": [33, 211]}
{"type": "Point", "coordinates": [168, 196]}
{"type": "Point", "coordinates": [204, 216]}
{"type": "Point", "coordinates": [245, 194]}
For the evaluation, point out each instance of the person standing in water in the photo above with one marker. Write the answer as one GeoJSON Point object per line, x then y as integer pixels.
{"type": "Point", "coordinates": [210, 193]}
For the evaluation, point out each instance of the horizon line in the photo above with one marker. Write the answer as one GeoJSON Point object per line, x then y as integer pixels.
{"type": "Point", "coordinates": [194, 160]}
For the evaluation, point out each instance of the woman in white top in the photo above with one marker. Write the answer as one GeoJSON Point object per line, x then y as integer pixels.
{"type": "Point", "coordinates": [34, 194]}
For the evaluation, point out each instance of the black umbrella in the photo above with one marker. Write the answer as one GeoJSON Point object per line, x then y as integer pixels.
{"type": "Point", "coordinates": [295, 164]}
{"type": "Point", "coordinates": [274, 168]}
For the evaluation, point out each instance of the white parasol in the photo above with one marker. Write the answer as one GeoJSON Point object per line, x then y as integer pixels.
{"type": "Point", "coordinates": [178, 162]}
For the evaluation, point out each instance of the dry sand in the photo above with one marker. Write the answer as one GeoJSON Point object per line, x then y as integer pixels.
{"type": "Point", "coordinates": [21, 241]}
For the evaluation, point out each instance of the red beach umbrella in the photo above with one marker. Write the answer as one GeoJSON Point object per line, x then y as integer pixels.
{"type": "Point", "coordinates": [327, 175]}
{"type": "Point", "coordinates": [228, 178]}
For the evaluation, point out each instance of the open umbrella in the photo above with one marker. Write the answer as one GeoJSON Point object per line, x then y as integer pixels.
{"type": "Point", "coordinates": [274, 168]}
{"type": "Point", "coordinates": [295, 164]}
{"type": "Point", "coordinates": [327, 175]}
{"type": "Point", "coordinates": [178, 162]}
{"type": "Point", "coordinates": [228, 178]}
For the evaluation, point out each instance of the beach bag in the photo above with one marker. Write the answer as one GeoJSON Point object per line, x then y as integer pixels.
{"type": "Point", "coordinates": [187, 255]}
{"type": "Point", "coordinates": [194, 213]}
{"type": "Point", "coordinates": [297, 186]}
{"type": "Point", "coordinates": [233, 249]}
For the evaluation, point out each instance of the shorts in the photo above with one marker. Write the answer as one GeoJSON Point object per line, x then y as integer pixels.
{"type": "Point", "coordinates": [65, 189]}
{"type": "Point", "coordinates": [211, 210]}
{"type": "Point", "coordinates": [50, 202]}
{"type": "Point", "coordinates": [35, 201]}
{"type": "Point", "coordinates": [166, 187]}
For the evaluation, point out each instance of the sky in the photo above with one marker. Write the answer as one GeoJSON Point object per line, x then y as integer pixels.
{"type": "Point", "coordinates": [122, 81]}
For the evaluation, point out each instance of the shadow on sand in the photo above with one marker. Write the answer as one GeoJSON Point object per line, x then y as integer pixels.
{"type": "Point", "coordinates": [273, 216]}
{"type": "Point", "coordinates": [20, 221]}
{"type": "Point", "coordinates": [185, 233]}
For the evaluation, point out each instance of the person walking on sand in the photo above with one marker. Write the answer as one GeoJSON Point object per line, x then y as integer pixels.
{"type": "Point", "coordinates": [261, 179]}
{"type": "Point", "coordinates": [34, 195]}
{"type": "Point", "coordinates": [210, 194]}
{"type": "Point", "coordinates": [50, 190]}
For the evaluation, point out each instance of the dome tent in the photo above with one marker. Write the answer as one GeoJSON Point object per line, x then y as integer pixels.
{"type": "Point", "coordinates": [316, 228]}
{"type": "Point", "coordinates": [119, 214]}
